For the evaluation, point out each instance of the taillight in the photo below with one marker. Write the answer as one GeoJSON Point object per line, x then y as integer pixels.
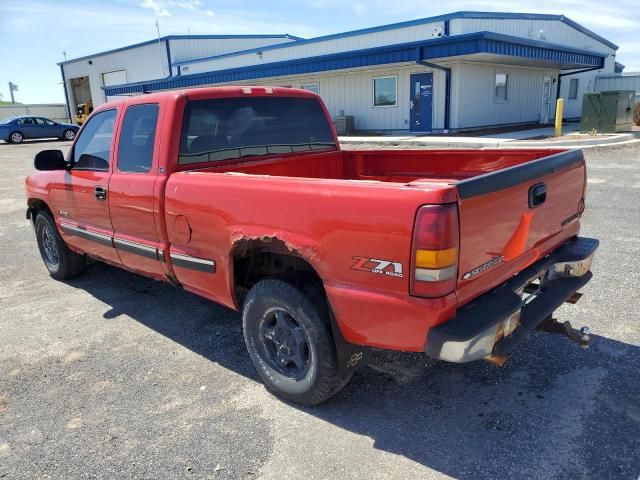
{"type": "Point", "coordinates": [434, 260]}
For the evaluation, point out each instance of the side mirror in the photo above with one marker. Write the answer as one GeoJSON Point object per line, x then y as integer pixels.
{"type": "Point", "coordinates": [50, 160]}
{"type": "Point", "coordinates": [91, 162]}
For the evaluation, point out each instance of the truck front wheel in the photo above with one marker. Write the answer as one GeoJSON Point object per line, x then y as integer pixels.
{"type": "Point", "coordinates": [61, 261]}
{"type": "Point", "coordinates": [288, 336]}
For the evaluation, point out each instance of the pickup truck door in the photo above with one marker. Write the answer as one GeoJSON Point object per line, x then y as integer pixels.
{"type": "Point", "coordinates": [81, 199]}
{"type": "Point", "coordinates": [133, 202]}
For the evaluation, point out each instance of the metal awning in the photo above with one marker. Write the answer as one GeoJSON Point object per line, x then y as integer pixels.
{"type": "Point", "coordinates": [498, 48]}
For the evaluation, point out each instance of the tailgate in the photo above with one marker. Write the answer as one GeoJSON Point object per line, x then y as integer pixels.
{"type": "Point", "coordinates": [512, 217]}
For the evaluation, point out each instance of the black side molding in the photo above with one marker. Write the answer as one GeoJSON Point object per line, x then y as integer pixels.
{"type": "Point", "coordinates": [512, 176]}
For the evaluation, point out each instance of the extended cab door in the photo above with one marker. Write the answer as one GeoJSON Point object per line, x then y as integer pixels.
{"type": "Point", "coordinates": [82, 197]}
{"type": "Point", "coordinates": [132, 201]}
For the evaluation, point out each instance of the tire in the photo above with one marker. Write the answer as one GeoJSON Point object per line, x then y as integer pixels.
{"type": "Point", "coordinates": [69, 135]}
{"type": "Point", "coordinates": [280, 324]}
{"type": "Point", "coordinates": [61, 261]}
{"type": "Point", "coordinates": [16, 137]}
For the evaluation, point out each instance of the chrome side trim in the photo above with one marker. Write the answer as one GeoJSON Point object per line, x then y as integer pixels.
{"type": "Point", "coordinates": [194, 263]}
{"type": "Point", "coordinates": [87, 234]}
{"type": "Point", "coordinates": [136, 248]}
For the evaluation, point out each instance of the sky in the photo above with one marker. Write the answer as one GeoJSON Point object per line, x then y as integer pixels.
{"type": "Point", "coordinates": [35, 33]}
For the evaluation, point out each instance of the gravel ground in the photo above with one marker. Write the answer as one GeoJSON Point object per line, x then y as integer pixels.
{"type": "Point", "coordinates": [112, 375]}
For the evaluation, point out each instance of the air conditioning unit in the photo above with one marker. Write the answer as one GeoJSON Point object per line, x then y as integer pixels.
{"type": "Point", "coordinates": [344, 124]}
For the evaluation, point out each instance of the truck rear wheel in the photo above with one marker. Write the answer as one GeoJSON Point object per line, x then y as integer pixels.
{"type": "Point", "coordinates": [288, 336]}
{"type": "Point", "coordinates": [61, 261]}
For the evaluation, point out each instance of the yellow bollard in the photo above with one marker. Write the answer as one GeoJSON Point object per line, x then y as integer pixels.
{"type": "Point", "coordinates": [559, 112]}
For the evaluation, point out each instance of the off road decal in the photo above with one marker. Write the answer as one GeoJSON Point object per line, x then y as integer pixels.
{"type": "Point", "coordinates": [375, 265]}
{"type": "Point", "coordinates": [483, 268]}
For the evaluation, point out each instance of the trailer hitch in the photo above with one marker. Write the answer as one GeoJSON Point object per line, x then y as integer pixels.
{"type": "Point", "coordinates": [582, 337]}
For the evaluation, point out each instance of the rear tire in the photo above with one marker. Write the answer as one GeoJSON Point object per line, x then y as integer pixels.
{"type": "Point", "coordinates": [16, 137]}
{"type": "Point", "coordinates": [61, 261]}
{"type": "Point", "coordinates": [288, 336]}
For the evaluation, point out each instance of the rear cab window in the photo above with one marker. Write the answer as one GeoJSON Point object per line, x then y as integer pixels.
{"type": "Point", "coordinates": [137, 138]}
{"type": "Point", "coordinates": [239, 127]}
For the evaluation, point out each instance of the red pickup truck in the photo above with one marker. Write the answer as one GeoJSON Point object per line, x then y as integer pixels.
{"type": "Point", "coordinates": [243, 196]}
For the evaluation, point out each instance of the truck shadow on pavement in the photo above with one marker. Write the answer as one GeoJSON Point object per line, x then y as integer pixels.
{"type": "Point", "coordinates": [553, 411]}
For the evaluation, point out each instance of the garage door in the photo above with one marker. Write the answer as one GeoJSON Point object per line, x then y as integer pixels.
{"type": "Point", "coordinates": [117, 77]}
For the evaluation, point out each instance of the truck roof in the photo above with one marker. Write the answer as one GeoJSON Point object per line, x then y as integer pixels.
{"type": "Point", "coordinates": [212, 92]}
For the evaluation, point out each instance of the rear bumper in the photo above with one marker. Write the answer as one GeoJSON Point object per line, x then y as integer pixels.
{"type": "Point", "coordinates": [494, 322]}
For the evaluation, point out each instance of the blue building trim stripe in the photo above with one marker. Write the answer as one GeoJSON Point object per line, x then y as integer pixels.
{"type": "Point", "coordinates": [468, 44]}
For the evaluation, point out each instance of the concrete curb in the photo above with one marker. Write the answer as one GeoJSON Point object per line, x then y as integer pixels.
{"type": "Point", "coordinates": [479, 142]}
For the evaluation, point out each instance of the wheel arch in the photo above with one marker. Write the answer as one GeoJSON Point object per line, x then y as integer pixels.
{"type": "Point", "coordinates": [255, 258]}
{"type": "Point", "coordinates": [35, 206]}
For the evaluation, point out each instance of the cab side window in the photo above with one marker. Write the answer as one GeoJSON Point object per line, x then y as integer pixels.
{"type": "Point", "coordinates": [93, 147]}
{"type": "Point", "coordinates": [137, 138]}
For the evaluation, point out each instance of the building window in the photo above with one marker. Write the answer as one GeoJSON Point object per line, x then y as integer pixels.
{"type": "Point", "coordinates": [573, 89]}
{"type": "Point", "coordinates": [502, 85]}
{"type": "Point", "coordinates": [385, 91]}
{"type": "Point", "coordinates": [312, 87]}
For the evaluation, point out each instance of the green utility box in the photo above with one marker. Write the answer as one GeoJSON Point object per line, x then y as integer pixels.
{"type": "Point", "coordinates": [608, 112]}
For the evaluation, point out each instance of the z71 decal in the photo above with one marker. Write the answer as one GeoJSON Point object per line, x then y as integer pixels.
{"type": "Point", "coordinates": [375, 265]}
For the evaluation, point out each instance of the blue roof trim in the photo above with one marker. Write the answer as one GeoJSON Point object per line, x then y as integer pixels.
{"type": "Point", "coordinates": [421, 21]}
{"type": "Point", "coordinates": [481, 42]}
{"type": "Point", "coordinates": [180, 37]}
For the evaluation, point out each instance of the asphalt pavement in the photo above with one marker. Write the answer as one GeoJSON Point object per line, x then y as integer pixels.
{"type": "Point", "coordinates": [112, 375]}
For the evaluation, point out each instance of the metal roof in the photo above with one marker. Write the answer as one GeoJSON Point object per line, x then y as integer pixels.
{"type": "Point", "coordinates": [299, 40]}
{"type": "Point", "coordinates": [420, 21]}
{"type": "Point", "coordinates": [179, 37]}
{"type": "Point", "coordinates": [530, 51]}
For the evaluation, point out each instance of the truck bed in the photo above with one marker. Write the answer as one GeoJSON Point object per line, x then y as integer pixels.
{"type": "Point", "coordinates": [395, 166]}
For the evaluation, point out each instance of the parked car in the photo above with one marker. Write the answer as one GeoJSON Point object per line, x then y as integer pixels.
{"type": "Point", "coordinates": [18, 129]}
{"type": "Point", "coordinates": [242, 195]}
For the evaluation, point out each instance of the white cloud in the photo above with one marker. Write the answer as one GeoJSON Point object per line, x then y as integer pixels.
{"type": "Point", "coordinates": [210, 13]}
{"type": "Point", "coordinates": [158, 9]}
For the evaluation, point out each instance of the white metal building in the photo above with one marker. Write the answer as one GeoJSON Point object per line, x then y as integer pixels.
{"type": "Point", "coordinates": [459, 71]}
{"type": "Point", "coordinates": [622, 81]}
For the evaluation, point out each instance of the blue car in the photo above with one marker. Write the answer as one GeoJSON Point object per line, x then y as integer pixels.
{"type": "Point", "coordinates": [17, 129]}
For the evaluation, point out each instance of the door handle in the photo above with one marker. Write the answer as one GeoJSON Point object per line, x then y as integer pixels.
{"type": "Point", "coordinates": [101, 192]}
{"type": "Point", "coordinates": [537, 195]}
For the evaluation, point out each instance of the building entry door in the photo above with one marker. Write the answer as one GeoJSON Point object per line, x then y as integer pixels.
{"type": "Point", "coordinates": [421, 115]}
{"type": "Point", "coordinates": [545, 114]}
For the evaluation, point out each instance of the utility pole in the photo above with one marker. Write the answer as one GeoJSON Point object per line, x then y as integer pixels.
{"type": "Point", "coordinates": [12, 88]}
{"type": "Point", "coordinates": [159, 43]}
